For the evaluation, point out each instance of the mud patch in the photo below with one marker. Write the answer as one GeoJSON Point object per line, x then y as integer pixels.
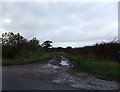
{"type": "Point", "coordinates": [52, 71]}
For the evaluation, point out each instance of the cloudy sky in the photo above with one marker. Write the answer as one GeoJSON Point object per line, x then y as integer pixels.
{"type": "Point", "coordinates": [73, 24]}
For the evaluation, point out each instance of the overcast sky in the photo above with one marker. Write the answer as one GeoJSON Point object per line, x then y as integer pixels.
{"type": "Point", "coordinates": [73, 24]}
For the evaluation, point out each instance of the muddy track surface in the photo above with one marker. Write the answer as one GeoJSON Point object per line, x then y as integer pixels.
{"type": "Point", "coordinates": [52, 72]}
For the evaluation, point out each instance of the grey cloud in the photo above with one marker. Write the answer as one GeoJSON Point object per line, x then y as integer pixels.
{"type": "Point", "coordinates": [63, 22]}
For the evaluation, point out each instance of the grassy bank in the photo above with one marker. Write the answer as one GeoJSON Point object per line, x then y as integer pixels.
{"type": "Point", "coordinates": [44, 57]}
{"type": "Point", "coordinates": [107, 70]}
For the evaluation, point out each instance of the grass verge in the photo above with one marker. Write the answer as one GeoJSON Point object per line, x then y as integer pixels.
{"type": "Point", "coordinates": [101, 69]}
{"type": "Point", "coordinates": [44, 57]}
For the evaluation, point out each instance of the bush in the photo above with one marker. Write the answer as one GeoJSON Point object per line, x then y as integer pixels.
{"type": "Point", "coordinates": [16, 46]}
{"type": "Point", "coordinates": [103, 51]}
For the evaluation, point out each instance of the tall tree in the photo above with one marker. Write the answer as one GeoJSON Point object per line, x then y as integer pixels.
{"type": "Point", "coordinates": [47, 44]}
{"type": "Point", "coordinates": [12, 39]}
{"type": "Point", "coordinates": [12, 44]}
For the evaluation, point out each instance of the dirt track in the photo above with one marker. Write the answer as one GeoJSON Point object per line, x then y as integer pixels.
{"type": "Point", "coordinates": [51, 71]}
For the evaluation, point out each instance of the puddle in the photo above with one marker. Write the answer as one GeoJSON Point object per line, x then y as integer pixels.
{"type": "Point", "coordinates": [64, 63]}
{"type": "Point", "coordinates": [56, 81]}
{"type": "Point", "coordinates": [53, 66]}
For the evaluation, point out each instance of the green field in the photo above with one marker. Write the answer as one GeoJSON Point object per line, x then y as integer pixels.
{"type": "Point", "coordinates": [44, 57]}
{"type": "Point", "coordinates": [108, 70]}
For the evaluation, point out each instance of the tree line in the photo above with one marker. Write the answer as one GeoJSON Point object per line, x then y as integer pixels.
{"type": "Point", "coordinates": [17, 46]}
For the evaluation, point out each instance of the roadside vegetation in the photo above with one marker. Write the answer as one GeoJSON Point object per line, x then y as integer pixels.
{"type": "Point", "coordinates": [108, 70]}
{"type": "Point", "coordinates": [100, 51]}
{"type": "Point", "coordinates": [44, 57]}
{"type": "Point", "coordinates": [18, 50]}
